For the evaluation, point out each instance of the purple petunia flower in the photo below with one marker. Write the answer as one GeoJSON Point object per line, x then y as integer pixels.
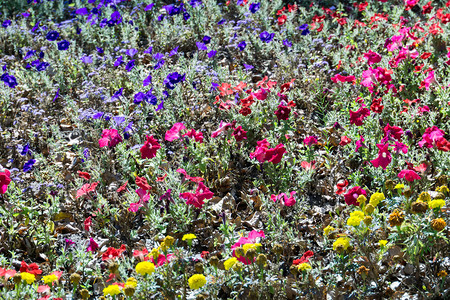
{"type": "Point", "coordinates": [248, 67]}
{"type": "Point", "coordinates": [149, 7]}
{"type": "Point", "coordinates": [52, 35]}
{"type": "Point", "coordinates": [172, 79]}
{"type": "Point", "coordinates": [29, 54]}
{"type": "Point", "coordinates": [174, 51]}
{"type": "Point", "coordinates": [149, 50]}
{"type": "Point", "coordinates": [130, 65]}
{"type": "Point", "coordinates": [304, 29]}
{"type": "Point", "coordinates": [287, 43]}
{"type": "Point", "coordinates": [118, 61]}
{"type": "Point", "coordinates": [9, 80]}
{"type": "Point", "coordinates": [206, 39]}
{"type": "Point", "coordinates": [254, 7]}
{"type": "Point", "coordinates": [242, 45]}
{"type": "Point", "coordinates": [6, 23]}
{"type": "Point", "coordinates": [82, 11]}
{"type": "Point", "coordinates": [212, 53]}
{"type": "Point", "coordinates": [147, 80]}
{"type": "Point", "coordinates": [86, 59]}
{"type": "Point", "coordinates": [29, 165]}
{"type": "Point", "coordinates": [100, 50]}
{"type": "Point", "coordinates": [131, 52]}
{"type": "Point", "coordinates": [195, 3]}
{"type": "Point", "coordinates": [266, 37]}
{"type": "Point", "coordinates": [56, 95]}
{"type": "Point", "coordinates": [201, 46]}
{"type": "Point", "coordinates": [63, 45]}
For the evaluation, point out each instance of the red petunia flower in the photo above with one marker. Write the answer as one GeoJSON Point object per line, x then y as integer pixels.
{"type": "Point", "coordinates": [352, 195]}
{"type": "Point", "coordinates": [150, 147]}
{"type": "Point", "coordinates": [31, 268]}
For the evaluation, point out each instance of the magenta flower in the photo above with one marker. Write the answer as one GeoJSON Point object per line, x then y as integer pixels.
{"type": "Point", "coordinates": [282, 112]}
{"type": "Point", "coordinates": [174, 132]}
{"type": "Point", "coordinates": [409, 175]}
{"type": "Point", "coordinates": [284, 198]}
{"type": "Point", "coordinates": [384, 157]}
{"type": "Point", "coordinates": [4, 181]}
{"type": "Point", "coordinates": [400, 147]}
{"type": "Point", "coordinates": [110, 138]}
{"type": "Point", "coordinates": [197, 136]}
{"type": "Point", "coordinates": [144, 196]}
{"type": "Point", "coordinates": [150, 147]}
{"type": "Point", "coordinates": [372, 57]}
{"type": "Point", "coordinates": [431, 136]}
{"type": "Point", "coordinates": [360, 143]}
{"type": "Point", "coordinates": [393, 131]}
{"type": "Point", "coordinates": [341, 78]}
{"type": "Point", "coordinates": [239, 134]}
{"type": "Point", "coordinates": [222, 127]}
{"type": "Point", "coordinates": [428, 81]}
{"type": "Point", "coordinates": [197, 198]}
{"type": "Point", "coordinates": [92, 246]}
{"type": "Point", "coordinates": [310, 140]}
{"type": "Point", "coordinates": [357, 117]}
{"type": "Point", "coordinates": [352, 195]}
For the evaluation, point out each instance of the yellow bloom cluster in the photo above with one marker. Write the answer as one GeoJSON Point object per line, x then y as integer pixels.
{"type": "Point", "coordinates": [28, 277]}
{"type": "Point", "coordinates": [49, 279]}
{"type": "Point", "coordinates": [343, 242]}
{"type": "Point", "coordinates": [111, 290]}
{"type": "Point", "coordinates": [355, 218]}
{"type": "Point", "coordinates": [197, 281]}
{"type": "Point", "coordinates": [145, 267]}
{"type": "Point", "coordinates": [382, 243]}
{"type": "Point", "coordinates": [304, 267]}
{"type": "Point", "coordinates": [189, 236]}
{"type": "Point", "coordinates": [439, 203]}
{"type": "Point", "coordinates": [131, 282]}
{"type": "Point", "coordinates": [229, 263]}
{"type": "Point", "coordinates": [327, 230]}
{"type": "Point", "coordinates": [376, 198]}
{"type": "Point", "coordinates": [443, 189]}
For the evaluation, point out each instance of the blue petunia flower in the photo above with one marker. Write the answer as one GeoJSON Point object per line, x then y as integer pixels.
{"type": "Point", "coordinates": [52, 35]}
{"type": "Point", "coordinates": [172, 79]}
{"type": "Point", "coordinates": [242, 45]}
{"type": "Point", "coordinates": [254, 7]}
{"type": "Point", "coordinates": [63, 45]}
{"type": "Point", "coordinates": [266, 37]}
{"type": "Point", "coordinates": [29, 165]}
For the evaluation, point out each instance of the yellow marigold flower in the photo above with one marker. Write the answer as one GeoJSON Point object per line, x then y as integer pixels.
{"type": "Point", "coordinates": [304, 267]}
{"type": "Point", "coordinates": [358, 214]}
{"type": "Point", "coordinates": [145, 267]}
{"type": "Point", "coordinates": [354, 221]}
{"type": "Point", "coordinates": [343, 242]}
{"type": "Point", "coordinates": [111, 290]}
{"type": "Point", "coordinates": [376, 198]}
{"type": "Point", "coordinates": [443, 189]}
{"type": "Point", "coordinates": [28, 277]}
{"type": "Point", "coordinates": [247, 247]}
{"type": "Point", "coordinates": [327, 230]}
{"type": "Point", "coordinates": [131, 282]}
{"type": "Point", "coordinates": [154, 253]}
{"type": "Point", "coordinates": [189, 237]}
{"type": "Point", "coordinates": [399, 186]}
{"type": "Point", "coordinates": [197, 281]}
{"type": "Point", "coordinates": [424, 197]}
{"type": "Point", "coordinates": [439, 203]}
{"type": "Point", "coordinates": [49, 279]}
{"type": "Point", "coordinates": [229, 263]}
{"type": "Point", "coordinates": [361, 199]}
{"type": "Point", "coordinates": [382, 243]}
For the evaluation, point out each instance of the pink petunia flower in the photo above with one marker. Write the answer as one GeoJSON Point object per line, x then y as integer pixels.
{"type": "Point", "coordinates": [372, 57]}
{"type": "Point", "coordinates": [239, 134]}
{"type": "Point", "coordinates": [409, 175]}
{"type": "Point", "coordinates": [174, 132]}
{"type": "Point", "coordinates": [110, 138]}
{"type": "Point", "coordinates": [284, 198]}
{"type": "Point", "coordinates": [196, 199]}
{"type": "Point", "coordinates": [384, 157]}
{"type": "Point", "coordinates": [4, 181]}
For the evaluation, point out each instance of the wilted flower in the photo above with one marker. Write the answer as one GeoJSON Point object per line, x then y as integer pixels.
{"type": "Point", "coordinates": [438, 224]}
{"type": "Point", "coordinates": [396, 218]}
